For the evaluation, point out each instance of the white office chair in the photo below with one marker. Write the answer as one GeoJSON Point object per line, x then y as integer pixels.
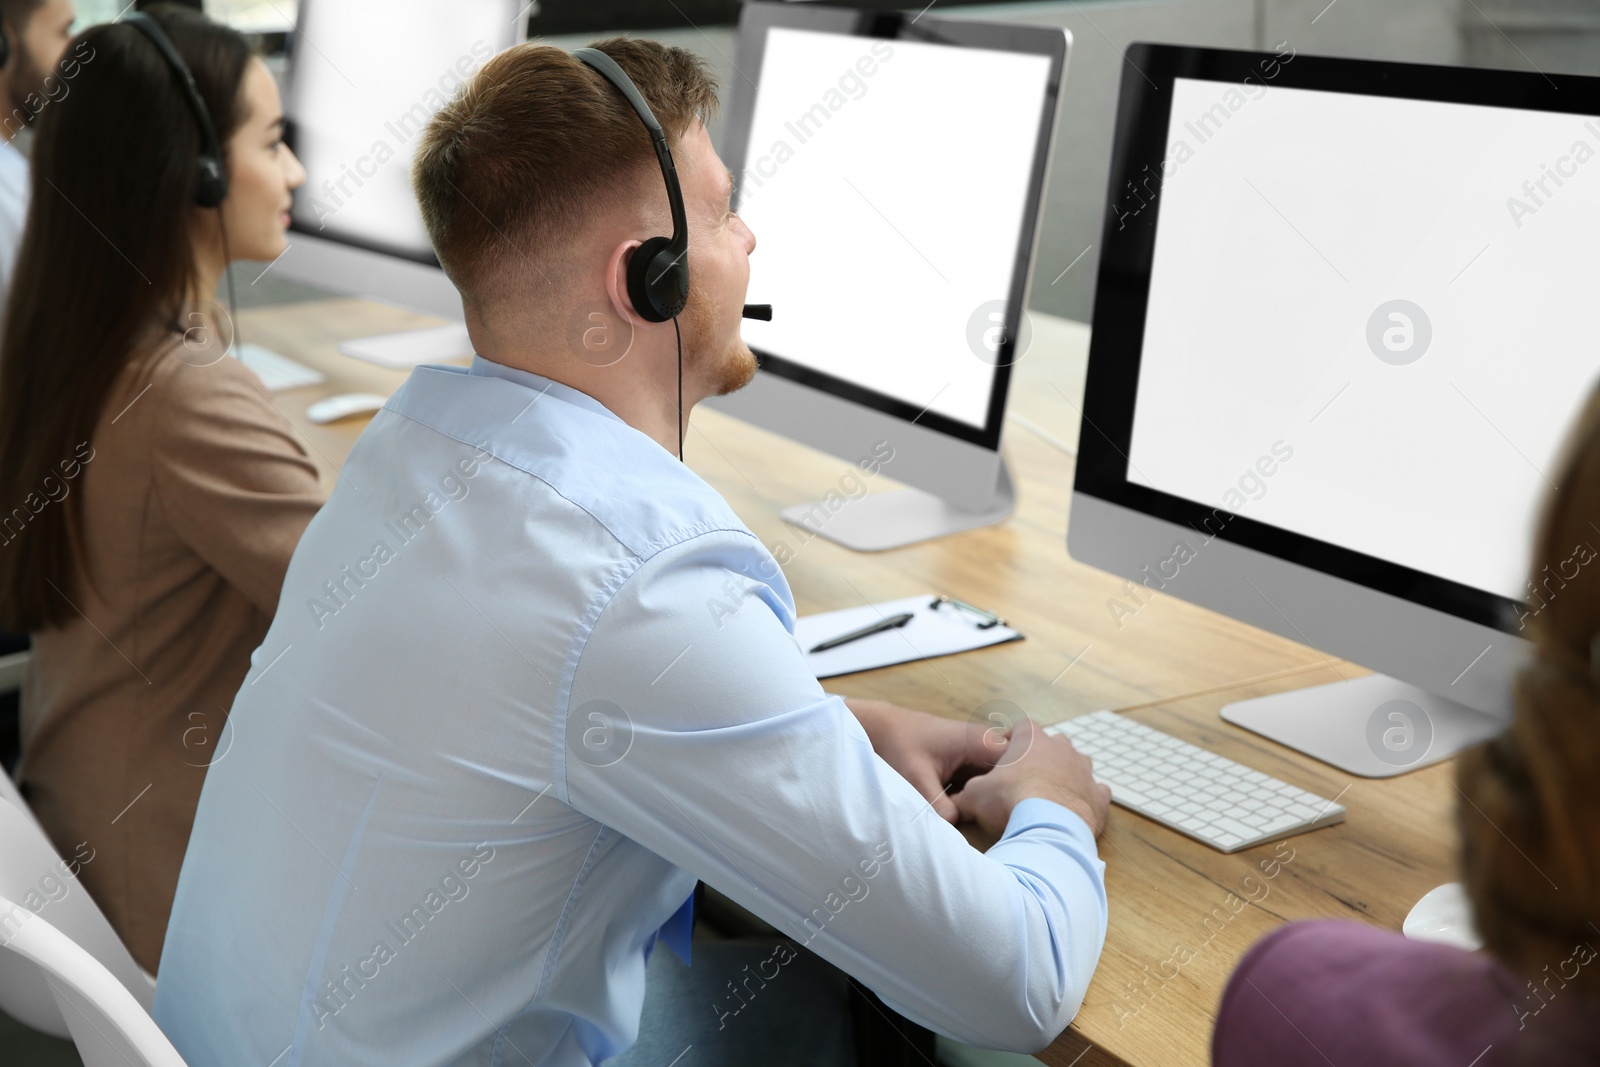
{"type": "Point", "coordinates": [30, 864]}
{"type": "Point", "coordinates": [109, 1027]}
{"type": "Point", "coordinates": [10, 794]}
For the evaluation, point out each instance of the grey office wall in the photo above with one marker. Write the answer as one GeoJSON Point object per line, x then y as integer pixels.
{"type": "Point", "coordinates": [1552, 35]}
{"type": "Point", "coordinates": [1548, 35]}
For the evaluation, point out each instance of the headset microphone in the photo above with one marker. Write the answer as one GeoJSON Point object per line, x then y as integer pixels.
{"type": "Point", "coordinates": [758, 311]}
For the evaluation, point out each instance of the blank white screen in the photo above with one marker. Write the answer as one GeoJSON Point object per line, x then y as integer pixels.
{"type": "Point", "coordinates": [362, 90]}
{"type": "Point", "coordinates": [894, 213]}
{"type": "Point", "coordinates": [1283, 231]}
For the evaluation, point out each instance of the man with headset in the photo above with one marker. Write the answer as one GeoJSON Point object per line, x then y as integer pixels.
{"type": "Point", "coordinates": [505, 717]}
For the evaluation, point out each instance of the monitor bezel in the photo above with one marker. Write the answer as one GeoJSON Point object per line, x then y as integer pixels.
{"type": "Point", "coordinates": [756, 17]}
{"type": "Point", "coordinates": [1127, 257]}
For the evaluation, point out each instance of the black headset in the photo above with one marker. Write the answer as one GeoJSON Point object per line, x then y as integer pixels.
{"type": "Point", "coordinates": [211, 182]}
{"type": "Point", "coordinates": [658, 270]}
{"type": "Point", "coordinates": [5, 46]}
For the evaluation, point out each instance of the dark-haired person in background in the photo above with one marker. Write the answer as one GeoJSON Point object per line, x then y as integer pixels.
{"type": "Point", "coordinates": [36, 36]}
{"type": "Point", "coordinates": [152, 494]}
{"type": "Point", "coordinates": [1529, 823]}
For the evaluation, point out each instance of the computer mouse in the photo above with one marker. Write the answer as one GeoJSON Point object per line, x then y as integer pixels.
{"type": "Point", "coordinates": [343, 405]}
{"type": "Point", "coordinates": [1444, 915]}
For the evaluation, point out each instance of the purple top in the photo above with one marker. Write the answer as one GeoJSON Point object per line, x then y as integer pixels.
{"type": "Point", "coordinates": [1342, 993]}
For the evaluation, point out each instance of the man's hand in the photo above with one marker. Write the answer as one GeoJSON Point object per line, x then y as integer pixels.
{"type": "Point", "coordinates": [928, 750]}
{"type": "Point", "coordinates": [1035, 764]}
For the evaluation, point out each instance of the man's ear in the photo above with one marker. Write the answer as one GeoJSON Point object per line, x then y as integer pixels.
{"type": "Point", "coordinates": [617, 282]}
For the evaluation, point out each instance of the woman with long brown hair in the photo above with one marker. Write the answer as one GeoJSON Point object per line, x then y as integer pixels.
{"type": "Point", "coordinates": [151, 493]}
{"type": "Point", "coordinates": [1529, 823]}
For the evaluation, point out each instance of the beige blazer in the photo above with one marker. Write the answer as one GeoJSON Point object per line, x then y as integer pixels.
{"type": "Point", "coordinates": [192, 502]}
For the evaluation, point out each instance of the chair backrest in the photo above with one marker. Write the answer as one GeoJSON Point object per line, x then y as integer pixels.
{"type": "Point", "coordinates": [9, 792]}
{"type": "Point", "coordinates": [109, 1027]}
{"type": "Point", "coordinates": [34, 876]}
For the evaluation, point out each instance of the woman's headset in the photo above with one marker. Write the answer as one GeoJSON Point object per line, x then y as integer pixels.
{"type": "Point", "coordinates": [211, 184]}
{"type": "Point", "coordinates": [211, 175]}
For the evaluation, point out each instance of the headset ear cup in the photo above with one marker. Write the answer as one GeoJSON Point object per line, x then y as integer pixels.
{"type": "Point", "coordinates": [658, 280]}
{"type": "Point", "coordinates": [639, 274]}
{"type": "Point", "coordinates": [669, 281]}
{"type": "Point", "coordinates": [212, 186]}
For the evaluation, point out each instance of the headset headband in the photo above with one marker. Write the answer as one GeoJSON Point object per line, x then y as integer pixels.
{"type": "Point", "coordinates": [212, 184]}
{"type": "Point", "coordinates": [658, 279]}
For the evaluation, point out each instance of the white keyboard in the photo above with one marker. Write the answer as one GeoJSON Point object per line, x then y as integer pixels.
{"type": "Point", "coordinates": [1215, 801]}
{"type": "Point", "coordinates": [277, 372]}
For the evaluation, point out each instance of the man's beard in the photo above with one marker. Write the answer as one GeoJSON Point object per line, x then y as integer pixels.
{"type": "Point", "coordinates": [728, 367]}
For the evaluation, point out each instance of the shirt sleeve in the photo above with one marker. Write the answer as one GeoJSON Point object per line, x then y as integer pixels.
{"type": "Point", "coordinates": [234, 483]}
{"type": "Point", "coordinates": [729, 760]}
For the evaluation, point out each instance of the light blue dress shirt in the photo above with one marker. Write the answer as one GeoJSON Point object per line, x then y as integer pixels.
{"type": "Point", "coordinates": [530, 678]}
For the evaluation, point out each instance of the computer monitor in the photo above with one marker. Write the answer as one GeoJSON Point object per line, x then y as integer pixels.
{"type": "Point", "coordinates": [1343, 325]}
{"type": "Point", "coordinates": [891, 166]}
{"type": "Point", "coordinates": [358, 92]}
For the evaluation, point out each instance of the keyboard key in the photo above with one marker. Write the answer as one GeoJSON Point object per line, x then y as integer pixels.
{"type": "Point", "coordinates": [1233, 826]}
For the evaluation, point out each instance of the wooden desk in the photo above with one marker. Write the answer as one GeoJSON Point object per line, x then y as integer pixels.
{"type": "Point", "coordinates": [1181, 913]}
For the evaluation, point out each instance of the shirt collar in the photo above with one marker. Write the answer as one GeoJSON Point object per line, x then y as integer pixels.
{"type": "Point", "coordinates": [488, 368]}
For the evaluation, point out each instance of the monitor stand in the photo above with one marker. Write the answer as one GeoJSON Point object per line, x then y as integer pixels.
{"type": "Point", "coordinates": [410, 348]}
{"type": "Point", "coordinates": [880, 521]}
{"type": "Point", "coordinates": [1374, 726]}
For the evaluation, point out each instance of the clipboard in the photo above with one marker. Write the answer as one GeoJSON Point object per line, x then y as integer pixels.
{"type": "Point", "coordinates": [939, 626]}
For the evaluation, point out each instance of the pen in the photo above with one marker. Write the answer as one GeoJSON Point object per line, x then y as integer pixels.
{"type": "Point", "coordinates": [893, 622]}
